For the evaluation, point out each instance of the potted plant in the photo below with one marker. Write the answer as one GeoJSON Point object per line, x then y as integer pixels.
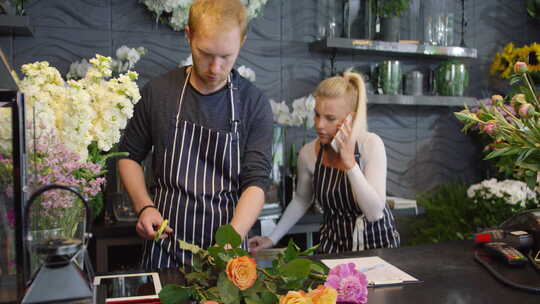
{"type": "Point", "coordinates": [389, 12]}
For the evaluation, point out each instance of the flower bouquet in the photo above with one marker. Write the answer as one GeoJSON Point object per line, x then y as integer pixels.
{"type": "Point", "coordinates": [227, 274]}
{"type": "Point", "coordinates": [71, 129]}
{"type": "Point", "coordinates": [513, 127]}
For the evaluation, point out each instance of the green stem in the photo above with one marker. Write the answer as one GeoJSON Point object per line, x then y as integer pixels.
{"type": "Point", "coordinates": [317, 276]}
{"type": "Point", "coordinates": [528, 81]}
{"type": "Point", "coordinates": [275, 278]}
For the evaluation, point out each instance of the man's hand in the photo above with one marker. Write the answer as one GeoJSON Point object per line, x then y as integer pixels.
{"type": "Point", "coordinates": [149, 222]}
{"type": "Point", "coordinates": [257, 243]}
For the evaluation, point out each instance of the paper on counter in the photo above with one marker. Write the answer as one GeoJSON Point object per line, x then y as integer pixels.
{"type": "Point", "coordinates": [377, 270]}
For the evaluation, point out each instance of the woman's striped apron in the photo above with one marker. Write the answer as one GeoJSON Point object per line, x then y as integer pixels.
{"type": "Point", "coordinates": [199, 187]}
{"type": "Point", "coordinates": [344, 226]}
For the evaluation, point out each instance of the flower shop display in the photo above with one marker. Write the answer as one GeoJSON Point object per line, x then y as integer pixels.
{"type": "Point", "coordinates": [512, 126]}
{"type": "Point", "coordinates": [71, 129]}
{"type": "Point", "coordinates": [227, 274]}
{"type": "Point", "coordinates": [175, 13]}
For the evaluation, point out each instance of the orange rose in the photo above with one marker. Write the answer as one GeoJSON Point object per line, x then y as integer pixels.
{"type": "Point", "coordinates": [242, 271]}
{"type": "Point", "coordinates": [295, 297]}
{"type": "Point", "coordinates": [323, 295]}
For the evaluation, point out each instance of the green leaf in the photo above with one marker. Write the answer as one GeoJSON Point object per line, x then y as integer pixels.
{"type": "Point", "coordinates": [514, 79]}
{"type": "Point", "coordinates": [291, 252]}
{"type": "Point", "coordinates": [269, 298]}
{"type": "Point", "coordinates": [297, 269]}
{"type": "Point", "coordinates": [533, 167]}
{"type": "Point", "coordinates": [271, 286]}
{"type": "Point", "coordinates": [318, 268]}
{"type": "Point", "coordinates": [174, 294]}
{"type": "Point", "coordinates": [227, 235]}
{"type": "Point", "coordinates": [254, 300]}
{"type": "Point", "coordinates": [309, 251]}
{"type": "Point", "coordinates": [215, 253]}
{"type": "Point", "coordinates": [229, 293]}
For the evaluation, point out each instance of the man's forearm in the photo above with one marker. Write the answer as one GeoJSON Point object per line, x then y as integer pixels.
{"type": "Point", "coordinates": [247, 210]}
{"type": "Point", "coordinates": [132, 176]}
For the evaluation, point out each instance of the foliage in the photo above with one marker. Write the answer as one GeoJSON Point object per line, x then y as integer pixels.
{"type": "Point", "coordinates": [533, 8]}
{"type": "Point", "coordinates": [456, 211]}
{"type": "Point", "coordinates": [391, 8]}
{"type": "Point", "coordinates": [513, 125]}
{"type": "Point", "coordinates": [227, 274]}
{"type": "Point", "coordinates": [12, 7]}
{"type": "Point", "coordinates": [176, 12]}
{"type": "Point", "coordinates": [448, 215]}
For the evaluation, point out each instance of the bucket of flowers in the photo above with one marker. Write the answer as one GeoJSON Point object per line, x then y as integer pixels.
{"type": "Point", "coordinates": [228, 274]}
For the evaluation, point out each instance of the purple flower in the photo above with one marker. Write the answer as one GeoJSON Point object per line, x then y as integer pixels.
{"type": "Point", "coordinates": [350, 283]}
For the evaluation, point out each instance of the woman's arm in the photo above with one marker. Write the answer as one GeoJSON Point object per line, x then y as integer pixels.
{"type": "Point", "coordinates": [369, 186]}
{"type": "Point", "coordinates": [302, 196]}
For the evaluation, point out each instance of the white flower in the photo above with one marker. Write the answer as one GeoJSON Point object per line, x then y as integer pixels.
{"type": "Point", "coordinates": [514, 192]}
{"type": "Point", "coordinates": [188, 61]}
{"type": "Point", "coordinates": [78, 112]}
{"type": "Point", "coordinates": [247, 73]}
{"type": "Point", "coordinates": [177, 11]}
{"type": "Point", "coordinates": [77, 70]}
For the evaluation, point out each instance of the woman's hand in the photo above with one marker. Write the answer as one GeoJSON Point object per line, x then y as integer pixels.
{"type": "Point", "coordinates": [149, 221]}
{"type": "Point", "coordinates": [346, 144]}
{"type": "Point", "coordinates": [257, 243]}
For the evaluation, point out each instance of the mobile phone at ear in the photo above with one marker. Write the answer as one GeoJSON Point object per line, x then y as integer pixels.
{"type": "Point", "coordinates": [334, 144]}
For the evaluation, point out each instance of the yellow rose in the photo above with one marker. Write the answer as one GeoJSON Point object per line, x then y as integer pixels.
{"type": "Point", "coordinates": [242, 271]}
{"type": "Point", "coordinates": [323, 295]}
{"type": "Point", "coordinates": [295, 297]}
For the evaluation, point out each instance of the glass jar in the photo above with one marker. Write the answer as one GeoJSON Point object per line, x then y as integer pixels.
{"type": "Point", "coordinates": [451, 78]}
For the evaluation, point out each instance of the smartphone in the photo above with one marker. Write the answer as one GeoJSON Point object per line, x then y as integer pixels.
{"type": "Point", "coordinates": [334, 144]}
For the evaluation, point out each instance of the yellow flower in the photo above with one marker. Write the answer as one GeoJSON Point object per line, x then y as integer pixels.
{"type": "Point", "coordinates": [323, 295]}
{"type": "Point", "coordinates": [242, 271]}
{"type": "Point", "coordinates": [533, 57]}
{"type": "Point", "coordinates": [295, 297]}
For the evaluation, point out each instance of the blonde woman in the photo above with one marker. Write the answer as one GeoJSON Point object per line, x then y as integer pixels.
{"type": "Point", "coordinates": [348, 180]}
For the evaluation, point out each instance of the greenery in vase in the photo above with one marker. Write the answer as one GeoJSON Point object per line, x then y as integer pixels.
{"type": "Point", "coordinates": [452, 78]}
{"type": "Point", "coordinates": [391, 8]}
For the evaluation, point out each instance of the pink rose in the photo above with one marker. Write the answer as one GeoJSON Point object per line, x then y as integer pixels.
{"type": "Point", "coordinates": [209, 302]}
{"type": "Point", "coordinates": [520, 67]}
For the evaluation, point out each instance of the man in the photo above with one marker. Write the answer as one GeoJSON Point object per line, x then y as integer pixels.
{"type": "Point", "coordinates": [210, 130]}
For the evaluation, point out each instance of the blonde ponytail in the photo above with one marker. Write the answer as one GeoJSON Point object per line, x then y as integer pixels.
{"type": "Point", "coordinates": [359, 126]}
{"type": "Point", "coordinates": [351, 86]}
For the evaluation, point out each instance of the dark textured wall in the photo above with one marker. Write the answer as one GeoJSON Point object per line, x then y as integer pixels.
{"type": "Point", "coordinates": [424, 144]}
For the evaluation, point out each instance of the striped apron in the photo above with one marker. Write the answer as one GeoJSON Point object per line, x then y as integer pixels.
{"type": "Point", "coordinates": [344, 226]}
{"type": "Point", "coordinates": [198, 188]}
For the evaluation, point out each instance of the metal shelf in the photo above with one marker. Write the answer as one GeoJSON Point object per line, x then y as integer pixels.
{"type": "Point", "coordinates": [446, 101]}
{"type": "Point", "coordinates": [399, 48]}
{"type": "Point", "coordinates": [15, 25]}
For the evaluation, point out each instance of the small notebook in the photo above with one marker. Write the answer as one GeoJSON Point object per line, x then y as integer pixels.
{"type": "Point", "coordinates": [378, 271]}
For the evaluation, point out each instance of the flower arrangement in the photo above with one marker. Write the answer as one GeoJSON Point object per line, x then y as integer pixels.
{"type": "Point", "coordinates": [496, 201]}
{"type": "Point", "coordinates": [512, 126]}
{"type": "Point", "coordinates": [227, 274]}
{"type": "Point", "coordinates": [505, 60]}
{"type": "Point", "coordinates": [77, 121]}
{"type": "Point", "coordinates": [175, 13]}
{"type": "Point", "coordinates": [53, 163]}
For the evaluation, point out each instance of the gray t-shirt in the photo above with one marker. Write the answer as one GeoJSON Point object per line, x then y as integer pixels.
{"type": "Point", "coordinates": [155, 113]}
